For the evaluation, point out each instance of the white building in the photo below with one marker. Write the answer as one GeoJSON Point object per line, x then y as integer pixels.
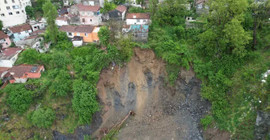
{"type": "Point", "coordinates": [137, 18]}
{"type": "Point", "coordinates": [12, 12]}
{"type": "Point", "coordinates": [9, 56]}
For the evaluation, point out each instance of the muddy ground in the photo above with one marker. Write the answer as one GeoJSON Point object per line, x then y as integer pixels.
{"type": "Point", "coordinates": [163, 112]}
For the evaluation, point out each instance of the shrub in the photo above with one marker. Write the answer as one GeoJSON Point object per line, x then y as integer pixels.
{"type": "Point", "coordinates": [43, 117]}
{"type": "Point", "coordinates": [18, 98]}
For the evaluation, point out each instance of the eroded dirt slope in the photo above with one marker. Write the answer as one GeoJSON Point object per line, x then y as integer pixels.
{"type": "Point", "coordinates": [162, 111]}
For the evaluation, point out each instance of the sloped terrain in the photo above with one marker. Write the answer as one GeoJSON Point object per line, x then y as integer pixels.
{"type": "Point", "coordinates": [162, 111]}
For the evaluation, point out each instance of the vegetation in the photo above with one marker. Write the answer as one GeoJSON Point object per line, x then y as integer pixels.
{"type": "Point", "coordinates": [50, 13]}
{"type": "Point", "coordinates": [108, 6]}
{"type": "Point", "coordinates": [30, 11]}
{"type": "Point", "coordinates": [1, 25]}
{"type": "Point", "coordinates": [42, 117]}
{"type": "Point", "coordinates": [229, 53]}
{"type": "Point", "coordinates": [104, 35]}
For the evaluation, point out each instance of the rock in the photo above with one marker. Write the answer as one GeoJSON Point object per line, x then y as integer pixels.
{"type": "Point", "coordinates": [262, 125]}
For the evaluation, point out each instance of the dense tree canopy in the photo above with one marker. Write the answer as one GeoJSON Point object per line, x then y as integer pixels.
{"type": "Point", "coordinates": [104, 35]}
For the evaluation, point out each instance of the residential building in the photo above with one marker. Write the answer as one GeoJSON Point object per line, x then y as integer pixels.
{"type": "Point", "coordinates": [20, 32]}
{"type": "Point", "coordinates": [9, 56]}
{"type": "Point", "coordinates": [137, 18]}
{"type": "Point", "coordinates": [60, 21]}
{"type": "Point", "coordinates": [21, 73]}
{"type": "Point", "coordinates": [87, 32]}
{"type": "Point", "coordinates": [138, 32]}
{"type": "Point", "coordinates": [118, 13]}
{"type": "Point", "coordinates": [35, 41]}
{"type": "Point", "coordinates": [86, 2]}
{"type": "Point", "coordinates": [4, 40]}
{"type": "Point", "coordinates": [87, 15]}
{"type": "Point", "coordinates": [12, 12]}
{"type": "Point", "coordinates": [37, 25]}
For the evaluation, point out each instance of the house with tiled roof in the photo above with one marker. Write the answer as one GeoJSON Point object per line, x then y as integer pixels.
{"type": "Point", "coordinates": [4, 40]}
{"type": "Point", "coordinates": [20, 32]}
{"type": "Point", "coordinates": [9, 56]}
{"type": "Point", "coordinates": [88, 33]}
{"type": "Point", "coordinates": [85, 15]}
{"type": "Point", "coordinates": [35, 41]}
{"type": "Point", "coordinates": [21, 73]}
{"type": "Point", "coordinates": [118, 13]}
{"type": "Point", "coordinates": [137, 18]}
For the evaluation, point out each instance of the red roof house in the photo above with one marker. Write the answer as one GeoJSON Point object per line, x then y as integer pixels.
{"type": "Point", "coordinates": [21, 73]}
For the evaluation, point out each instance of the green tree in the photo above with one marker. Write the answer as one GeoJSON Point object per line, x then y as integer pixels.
{"type": "Point", "coordinates": [50, 13]}
{"type": "Point", "coordinates": [43, 117]}
{"type": "Point", "coordinates": [125, 46]}
{"type": "Point", "coordinates": [104, 35]}
{"type": "Point", "coordinates": [30, 11]}
{"type": "Point", "coordinates": [29, 56]}
{"type": "Point", "coordinates": [61, 84]}
{"type": "Point", "coordinates": [18, 98]}
{"type": "Point", "coordinates": [225, 33]}
{"type": "Point", "coordinates": [1, 25]}
{"type": "Point", "coordinates": [108, 6]}
{"type": "Point", "coordinates": [84, 101]}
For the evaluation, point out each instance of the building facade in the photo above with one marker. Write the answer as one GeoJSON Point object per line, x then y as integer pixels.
{"type": "Point", "coordinates": [12, 12]}
{"type": "Point", "coordinates": [20, 32]}
{"type": "Point", "coordinates": [9, 56]}
{"type": "Point", "coordinates": [4, 40]}
{"type": "Point", "coordinates": [87, 32]}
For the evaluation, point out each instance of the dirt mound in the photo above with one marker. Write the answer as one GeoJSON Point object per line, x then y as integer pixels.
{"type": "Point", "coordinates": [162, 111]}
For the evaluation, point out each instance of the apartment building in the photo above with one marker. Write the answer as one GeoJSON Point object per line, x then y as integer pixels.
{"type": "Point", "coordinates": [12, 12]}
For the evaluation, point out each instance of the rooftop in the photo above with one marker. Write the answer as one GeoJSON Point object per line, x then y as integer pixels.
{"type": "Point", "coordinates": [200, 1]}
{"type": "Point", "coordinates": [3, 35]}
{"type": "Point", "coordinates": [20, 70]}
{"type": "Point", "coordinates": [8, 53]}
{"type": "Point", "coordinates": [82, 7]}
{"type": "Point", "coordinates": [138, 16]}
{"type": "Point", "coordinates": [121, 8]}
{"type": "Point", "coordinates": [79, 28]}
{"type": "Point", "coordinates": [20, 28]}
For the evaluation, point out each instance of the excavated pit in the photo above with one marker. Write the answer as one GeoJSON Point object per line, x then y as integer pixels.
{"type": "Point", "coordinates": [163, 112]}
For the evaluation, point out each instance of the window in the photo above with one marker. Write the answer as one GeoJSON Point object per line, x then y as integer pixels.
{"type": "Point", "coordinates": [144, 20]}
{"type": "Point", "coordinates": [15, 6]}
{"type": "Point", "coordinates": [18, 12]}
{"type": "Point", "coordinates": [22, 11]}
{"type": "Point", "coordinates": [70, 34]}
{"type": "Point", "coordinates": [26, 31]}
{"type": "Point", "coordinates": [83, 20]}
{"type": "Point", "coordinates": [8, 7]}
{"type": "Point", "coordinates": [86, 34]}
{"type": "Point", "coordinates": [138, 20]}
{"type": "Point", "coordinates": [5, 1]}
{"type": "Point", "coordinates": [2, 15]}
{"type": "Point", "coordinates": [13, 1]}
{"type": "Point", "coordinates": [6, 43]}
{"type": "Point", "coordinates": [91, 20]}
{"type": "Point", "coordinates": [10, 13]}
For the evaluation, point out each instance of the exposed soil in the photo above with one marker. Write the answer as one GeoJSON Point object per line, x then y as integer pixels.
{"type": "Point", "coordinates": [163, 112]}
